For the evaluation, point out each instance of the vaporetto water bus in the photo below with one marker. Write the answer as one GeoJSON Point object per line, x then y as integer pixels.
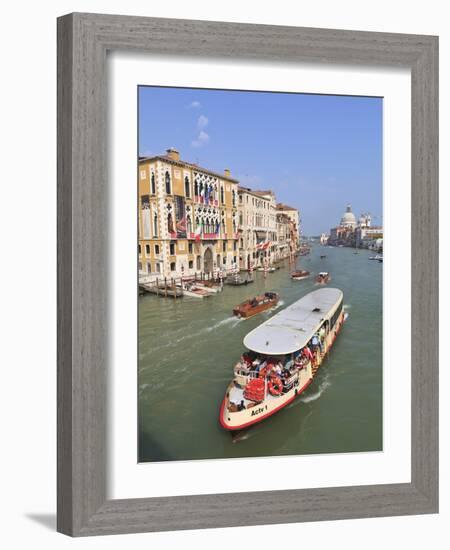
{"type": "Point", "coordinates": [284, 354]}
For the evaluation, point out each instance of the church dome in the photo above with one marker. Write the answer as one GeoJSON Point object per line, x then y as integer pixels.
{"type": "Point", "coordinates": [348, 219]}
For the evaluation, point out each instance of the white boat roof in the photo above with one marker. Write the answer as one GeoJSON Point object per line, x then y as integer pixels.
{"type": "Point", "coordinates": [294, 326]}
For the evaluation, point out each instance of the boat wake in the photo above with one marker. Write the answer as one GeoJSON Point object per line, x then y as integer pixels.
{"type": "Point", "coordinates": [238, 437]}
{"type": "Point", "coordinates": [323, 385]}
{"type": "Point", "coordinates": [233, 321]}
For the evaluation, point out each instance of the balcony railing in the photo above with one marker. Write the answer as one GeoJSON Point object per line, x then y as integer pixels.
{"type": "Point", "coordinates": [204, 236]}
{"type": "Point", "coordinates": [210, 201]}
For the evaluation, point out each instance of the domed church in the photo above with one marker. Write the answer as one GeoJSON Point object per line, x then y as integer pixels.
{"type": "Point", "coordinates": [348, 219]}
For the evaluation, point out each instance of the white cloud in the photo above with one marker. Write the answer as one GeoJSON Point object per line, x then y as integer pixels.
{"type": "Point", "coordinates": [195, 105]}
{"type": "Point", "coordinates": [202, 122]}
{"type": "Point", "coordinates": [202, 139]}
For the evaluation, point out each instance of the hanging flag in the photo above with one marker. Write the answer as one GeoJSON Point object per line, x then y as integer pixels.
{"type": "Point", "coordinates": [198, 233]}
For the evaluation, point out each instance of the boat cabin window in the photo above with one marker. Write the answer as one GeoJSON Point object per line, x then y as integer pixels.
{"type": "Point", "coordinates": [336, 314]}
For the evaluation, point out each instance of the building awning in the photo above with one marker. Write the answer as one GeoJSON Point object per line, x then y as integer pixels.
{"type": "Point", "coordinates": [261, 235]}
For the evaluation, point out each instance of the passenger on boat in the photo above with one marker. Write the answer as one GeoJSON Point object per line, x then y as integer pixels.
{"type": "Point", "coordinates": [307, 354]}
{"type": "Point", "coordinates": [277, 369]}
{"type": "Point", "coordinates": [259, 367]}
{"type": "Point", "coordinates": [241, 406]}
{"type": "Point", "coordinates": [316, 343]}
{"type": "Point", "coordinates": [322, 334]}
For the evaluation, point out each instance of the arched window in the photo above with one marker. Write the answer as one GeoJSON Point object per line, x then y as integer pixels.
{"type": "Point", "coordinates": [153, 183]}
{"type": "Point", "coordinates": [187, 187]}
{"type": "Point", "coordinates": [188, 225]}
{"type": "Point", "coordinates": [167, 178]}
{"type": "Point", "coordinates": [196, 188]}
{"type": "Point", "coordinates": [233, 197]}
{"type": "Point", "coordinates": [222, 199]}
{"type": "Point", "coordinates": [155, 225]}
{"type": "Point", "coordinates": [201, 189]}
{"type": "Point", "coordinates": [170, 223]}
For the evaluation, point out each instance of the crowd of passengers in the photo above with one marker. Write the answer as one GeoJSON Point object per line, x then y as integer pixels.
{"type": "Point", "coordinates": [284, 366]}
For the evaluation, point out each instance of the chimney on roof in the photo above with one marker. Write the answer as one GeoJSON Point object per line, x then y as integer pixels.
{"type": "Point", "coordinates": [173, 154]}
{"type": "Point", "coordinates": [227, 173]}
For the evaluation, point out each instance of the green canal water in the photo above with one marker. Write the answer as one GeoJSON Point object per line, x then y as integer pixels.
{"type": "Point", "coordinates": [188, 347]}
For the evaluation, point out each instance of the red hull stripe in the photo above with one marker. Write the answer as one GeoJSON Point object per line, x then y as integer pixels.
{"type": "Point", "coordinates": [260, 418]}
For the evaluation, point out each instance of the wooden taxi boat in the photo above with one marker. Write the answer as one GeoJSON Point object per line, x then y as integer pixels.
{"type": "Point", "coordinates": [256, 305]}
{"type": "Point", "coordinates": [283, 357]}
{"type": "Point", "coordinates": [299, 275]}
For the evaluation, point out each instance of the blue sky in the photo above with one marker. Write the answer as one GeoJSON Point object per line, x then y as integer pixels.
{"type": "Point", "coordinates": [316, 152]}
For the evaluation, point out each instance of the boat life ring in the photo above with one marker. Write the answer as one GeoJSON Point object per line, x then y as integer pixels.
{"type": "Point", "coordinates": [275, 385]}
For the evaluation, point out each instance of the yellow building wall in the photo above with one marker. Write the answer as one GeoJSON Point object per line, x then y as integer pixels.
{"type": "Point", "coordinates": [177, 181]}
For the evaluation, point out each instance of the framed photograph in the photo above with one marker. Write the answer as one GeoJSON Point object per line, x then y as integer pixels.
{"type": "Point", "coordinates": [247, 274]}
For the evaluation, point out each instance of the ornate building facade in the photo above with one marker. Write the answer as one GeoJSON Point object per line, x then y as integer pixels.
{"type": "Point", "coordinates": [257, 227]}
{"type": "Point", "coordinates": [188, 218]}
{"type": "Point", "coordinates": [294, 216]}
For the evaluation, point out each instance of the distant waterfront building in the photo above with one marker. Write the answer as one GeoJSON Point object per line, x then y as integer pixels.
{"type": "Point", "coordinates": [348, 220]}
{"type": "Point", "coordinates": [285, 241]}
{"type": "Point", "coordinates": [369, 237]}
{"type": "Point", "coordinates": [360, 234]}
{"type": "Point", "coordinates": [323, 238]}
{"type": "Point", "coordinates": [365, 220]}
{"type": "Point", "coordinates": [188, 218]}
{"type": "Point", "coordinates": [257, 227]}
{"type": "Point", "coordinates": [294, 215]}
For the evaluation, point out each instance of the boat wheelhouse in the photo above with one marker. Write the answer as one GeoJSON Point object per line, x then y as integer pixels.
{"type": "Point", "coordinates": [284, 354]}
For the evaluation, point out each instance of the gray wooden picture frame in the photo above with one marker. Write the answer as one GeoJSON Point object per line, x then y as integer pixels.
{"type": "Point", "coordinates": [83, 42]}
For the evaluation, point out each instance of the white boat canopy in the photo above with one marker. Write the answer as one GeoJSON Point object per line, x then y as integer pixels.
{"type": "Point", "coordinates": [292, 328]}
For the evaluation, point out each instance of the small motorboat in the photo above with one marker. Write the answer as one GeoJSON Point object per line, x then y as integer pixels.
{"type": "Point", "coordinates": [323, 278]}
{"type": "Point", "coordinates": [256, 305]}
{"type": "Point", "coordinates": [237, 280]}
{"type": "Point", "coordinates": [322, 257]}
{"type": "Point", "coordinates": [194, 291]}
{"type": "Point", "coordinates": [270, 269]}
{"type": "Point", "coordinates": [210, 286]}
{"type": "Point", "coordinates": [299, 275]}
{"type": "Point", "coordinates": [377, 257]}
